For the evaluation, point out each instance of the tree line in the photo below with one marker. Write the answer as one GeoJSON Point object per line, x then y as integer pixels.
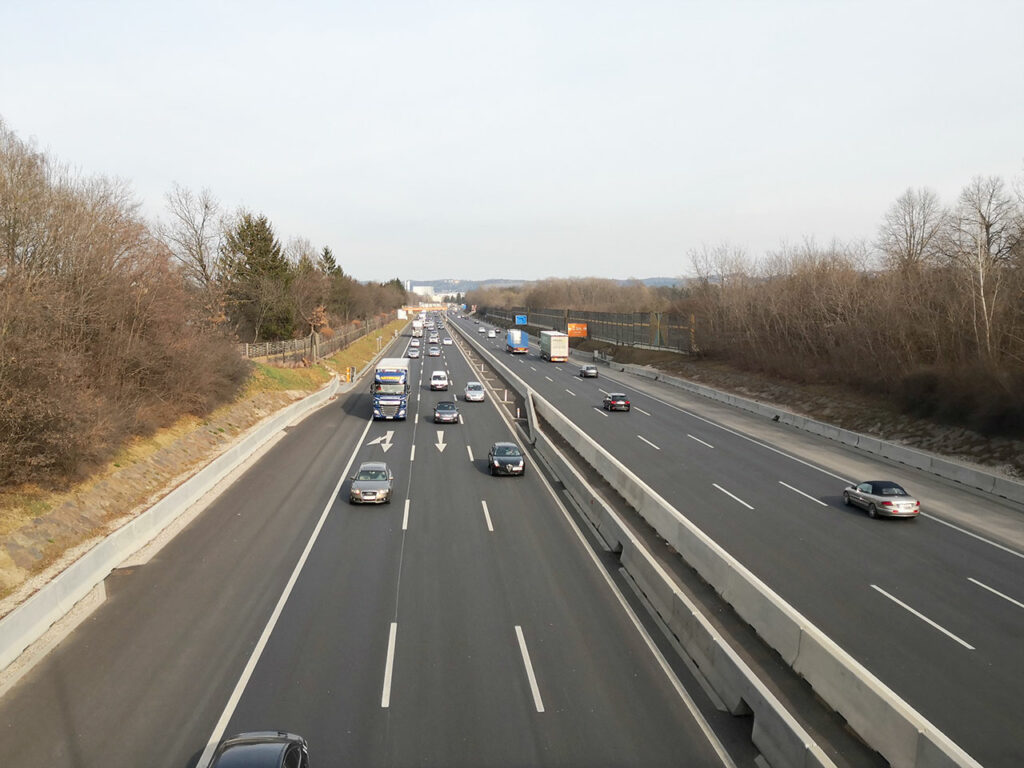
{"type": "Point", "coordinates": [111, 326]}
{"type": "Point", "coordinates": [929, 313]}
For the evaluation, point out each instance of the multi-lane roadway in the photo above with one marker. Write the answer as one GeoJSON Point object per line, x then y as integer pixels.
{"type": "Point", "coordinates": [466, 623]}
{"type": "Point", "coordinates": [931, 606]}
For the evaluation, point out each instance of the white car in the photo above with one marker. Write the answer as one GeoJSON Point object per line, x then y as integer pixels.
{"type": "Point", "coordinates": [481, 329]}
{"type": "Point", "coordinates": [439, 380]}
{"type": "Point", "coordinates": [414, 343]}
{"type": "Point", "coordinates": [491, 334]}
{"type": "Point", "coordinates": [474, 393]}
{"type": "Point", "coordinates": [447, 341]}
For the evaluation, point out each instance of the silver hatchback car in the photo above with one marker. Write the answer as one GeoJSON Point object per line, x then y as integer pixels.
{"type": "Point", "coordinates": [474, 393]}
{"type": "Point", "coordinates": [882, 498]}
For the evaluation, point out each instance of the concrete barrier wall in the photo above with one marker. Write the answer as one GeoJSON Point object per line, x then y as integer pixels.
{"type": "Point", "coordinates": [883, 720]}
{"type": "Point", "coordinates": [887, 723]}
{"type": "Point", "coordinates": [779, 737]}
{"type": "Point", "coordinates": [969, 476]}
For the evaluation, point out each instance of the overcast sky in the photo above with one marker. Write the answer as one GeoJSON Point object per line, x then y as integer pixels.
{"type": "Point", "coordinates": [525, 139]}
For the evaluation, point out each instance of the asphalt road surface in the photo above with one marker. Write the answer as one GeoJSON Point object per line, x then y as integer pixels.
{"type": "Point", "coordinates": [930, 606]}
{"type": "Point", "coordinates": [466, 623]}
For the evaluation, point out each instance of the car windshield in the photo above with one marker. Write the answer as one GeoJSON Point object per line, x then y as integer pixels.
{"type": "Point", "coordinates": [389, 389]}
{"type": "Point", "coordinates": [474, 387]}
{"type": "Point", "coordinates": [372, 474]}
{"type": "Point", "coordinates": [446, 406]}
{"type": "Point", "coordinates": [506, 450]}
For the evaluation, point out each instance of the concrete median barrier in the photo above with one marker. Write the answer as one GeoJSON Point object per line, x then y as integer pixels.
{"type": "Point", "coordinates": [882, 719]}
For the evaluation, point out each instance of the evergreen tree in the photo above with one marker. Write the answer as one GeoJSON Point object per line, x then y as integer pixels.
{"type": "Point", "coordinates": [327, 263]}
{"type": "Point", "coordinates": [257, 277]}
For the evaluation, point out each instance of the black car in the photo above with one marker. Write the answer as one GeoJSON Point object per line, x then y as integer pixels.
{"type": "Point", "coordinates": [588, 372]}
{"type": "Point", "coordinates": [615, 401]}
{"type": "Point", "coordinates": [506, 459]}
{"type": "Point", "coordinates": [262, 749]}
{"type": "Point", "coordinates": [446, 412]}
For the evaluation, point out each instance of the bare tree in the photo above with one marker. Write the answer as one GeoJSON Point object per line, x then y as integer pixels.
{"type": "Point", "coordinates": [909, 235]}
{"type": "Point", "coordinates": [194, 234]}
{"type": "Point", "coordinates": [982, 236]}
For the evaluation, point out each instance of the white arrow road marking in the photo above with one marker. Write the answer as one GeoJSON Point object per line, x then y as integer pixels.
{"type": "Point", "coordinates": [384, 442]}
{"type": "Point", "coordinates": [441, 444]}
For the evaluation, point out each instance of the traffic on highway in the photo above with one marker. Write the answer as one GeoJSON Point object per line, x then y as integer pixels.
{"type": "Point", "coordinates": [929, 605]}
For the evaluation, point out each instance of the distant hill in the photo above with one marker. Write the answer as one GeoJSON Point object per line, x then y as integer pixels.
{"type": "Point", "coordinates": [450, 285]}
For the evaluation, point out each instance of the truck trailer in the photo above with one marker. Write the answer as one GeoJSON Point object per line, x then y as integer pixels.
{"type": "Point", "coordinates": [390, 388]}
{"type": "Point", "coordinates": [417, 328]}
{"type": "Point", "coordinates": [554, 346]}
{"type": "Point", "coordinates": [517, 342]}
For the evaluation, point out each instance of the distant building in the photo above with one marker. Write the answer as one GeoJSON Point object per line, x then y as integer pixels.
{"type": "Point", "coordinates": [426, 291]}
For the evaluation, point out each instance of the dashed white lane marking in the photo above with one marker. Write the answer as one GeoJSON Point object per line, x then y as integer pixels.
{"type": "Point", "coordinates": [923, 618]}
{"type": "Point", "coordinates": [737, 498]}
{"type": "Point", "coordinates": [389, 666]}
{"type": "Point", "coordinates": [709, 445]}
{"type": "Point", "coordinates": [487, 516]}
{"type": "Point", "coordinates": [816, 501]}
{"type": "Point", "coordinates": [649, 442]}
{"type": "Point", "coordinates": [529, 669]}
{"type": "Point", "coordinates": [995, 592]}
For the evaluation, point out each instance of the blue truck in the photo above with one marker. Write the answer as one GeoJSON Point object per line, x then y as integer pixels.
{"type": "Point", "coordinates": [517, 342]}
{"type": "Point", "coordinates": [390, 388]}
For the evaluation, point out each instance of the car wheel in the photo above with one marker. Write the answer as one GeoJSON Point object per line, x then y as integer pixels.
{"type": "Point", "coordinates": [872, 512]}
{"type": "Point", "coordinates": [388, 499]}
{"type": "Point", "coordinates": [846, 498]}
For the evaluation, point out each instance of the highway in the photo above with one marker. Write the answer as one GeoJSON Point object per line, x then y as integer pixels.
{"type": "Point", "coordinates": [935, 611]}
{"type": "Point", "coordinates": [469, 622]}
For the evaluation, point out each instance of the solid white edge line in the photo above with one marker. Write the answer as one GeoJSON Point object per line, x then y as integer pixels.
{"type": "Point", "coordinates": [405, 517]}
{"type": "Point", "coordinates": [529, 669]}
{"type": "Point", "coordinates": [737, 498]}
{"type": "Point", "coordinates": [923, 618]}
{"type": "Point", "coordinates": [649, 442]}
{"type": "Point", "coordinates": [996, 592]}
{"type": "Point", "coordinates": [709, 445]}
{"type": "Point", "coordinates": [261, 644]}
{"type": "Point", "coordinates": [487, 516]}
{"type": "Point", "coordinates": [797, 490]}
{"type": "Point", "coordinates": [389, 667]}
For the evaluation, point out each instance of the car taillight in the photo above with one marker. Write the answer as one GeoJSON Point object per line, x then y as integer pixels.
{"type": "Point", "coordinates": [886, 503]}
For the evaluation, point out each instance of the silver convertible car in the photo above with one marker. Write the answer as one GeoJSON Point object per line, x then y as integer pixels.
{"type": "Point", "coordinates": [371, 484]}
{"type": "Point", "coordinates": [882, 497]}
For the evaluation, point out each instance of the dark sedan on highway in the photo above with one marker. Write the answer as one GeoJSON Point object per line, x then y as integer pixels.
{"type": "Point", "coordinates": [262, 749]}
{"type": "Point", "coordinates": [506, 459]}
{"type": "Point", "coordinates": [446, 412]}
{"type": "Point", "coordinates": [882, 498]}
{"type": "Point", "coordinates": [615, 401]}
{"type": "Point", "coordinates": [371, 484]}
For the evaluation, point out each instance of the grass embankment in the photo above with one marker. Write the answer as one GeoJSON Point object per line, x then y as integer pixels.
{"type": "Point", "coordinates": [37, 524]}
